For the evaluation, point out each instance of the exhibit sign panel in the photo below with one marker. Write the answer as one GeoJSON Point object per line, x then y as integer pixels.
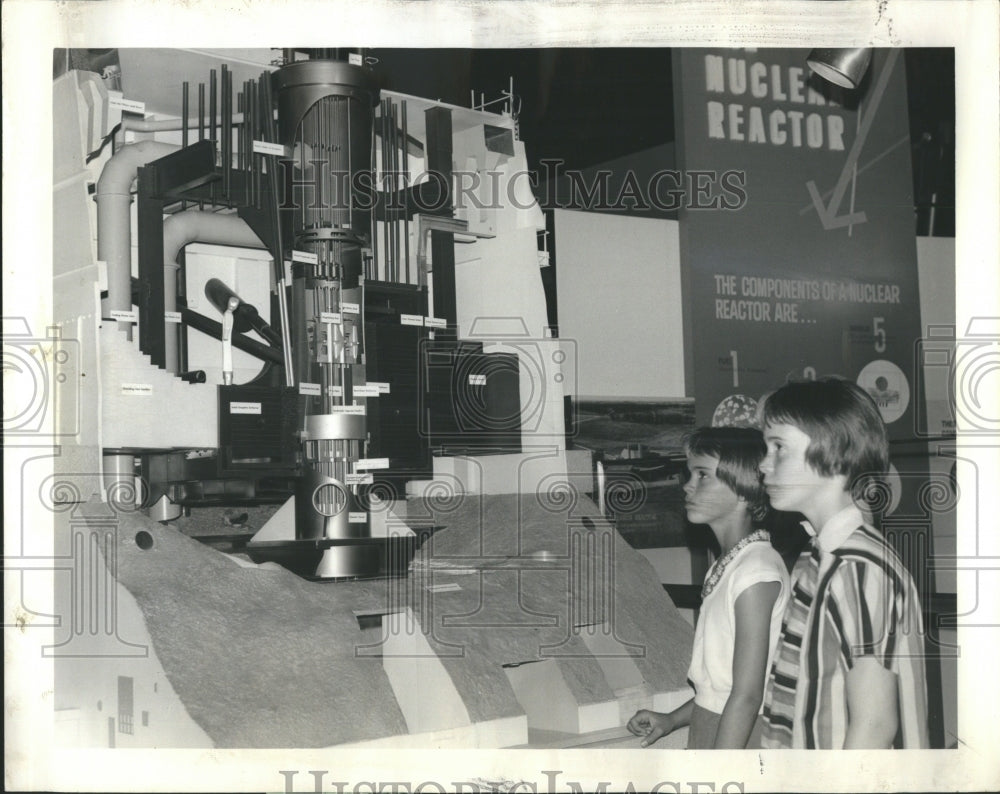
{"type": "Point", "coordinates": [798, 252]}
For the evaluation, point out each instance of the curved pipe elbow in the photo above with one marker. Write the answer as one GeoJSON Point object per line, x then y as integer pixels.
{"type": "Point", "coordinates": [195, 226]}
{"type": "Point", "coordinates": [120, 171]}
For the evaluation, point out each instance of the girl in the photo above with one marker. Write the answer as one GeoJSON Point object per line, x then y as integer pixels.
{"type": "Point", "coordinates": [743, 597]}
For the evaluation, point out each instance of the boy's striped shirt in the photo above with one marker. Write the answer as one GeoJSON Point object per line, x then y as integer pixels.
{"type": "Point", "coordinates": [851, 597]}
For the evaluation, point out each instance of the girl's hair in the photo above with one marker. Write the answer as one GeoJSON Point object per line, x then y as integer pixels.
{"type": "Point", "coordinates": [739, 451]}
{"type": "Point", "coordinates": [845, 429]}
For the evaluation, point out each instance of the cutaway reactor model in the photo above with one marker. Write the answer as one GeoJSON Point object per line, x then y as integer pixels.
{"type": "Point", "coordinates": [289, 303]}
{"type": "Point", "coordinates": [292, 301]}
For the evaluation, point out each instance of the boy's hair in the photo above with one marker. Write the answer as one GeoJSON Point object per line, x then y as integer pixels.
{"type": "Point", "coordinates": [739, 451]}
{"type": "Point", "coordinates": [846, 432]}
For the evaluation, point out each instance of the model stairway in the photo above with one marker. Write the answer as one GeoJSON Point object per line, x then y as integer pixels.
{"type": "Point", "coordinates": [147, 407]}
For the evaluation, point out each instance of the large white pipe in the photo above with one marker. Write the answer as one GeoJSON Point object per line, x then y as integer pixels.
{"type": "Point", "coordinates": [114, 218]}
{"type": "Point", "coordinates": [171, 125]}
{"type": "Point", "coordinates": [195, 226]}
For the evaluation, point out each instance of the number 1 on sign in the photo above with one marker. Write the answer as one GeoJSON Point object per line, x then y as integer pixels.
{"type": "Point", "coordinates": [736, 368]}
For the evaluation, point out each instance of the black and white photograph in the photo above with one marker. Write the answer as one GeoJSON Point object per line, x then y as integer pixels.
{"type": "Point", "coordinates": [494, 397]}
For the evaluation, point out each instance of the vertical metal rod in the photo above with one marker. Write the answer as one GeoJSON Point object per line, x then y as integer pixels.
{"type": "Point", "coordinates": [248, 126]}
{"type": "Point", "coordinates": [231, 137]}
{"type": "Point", "coordinates": [391, 147]}
{"type": "Point", "coordinates": [213, 94]}
{"type": "Point", "coordinates": [313, 134]}
{"type": "Point", "coordinates": [387, 148]}
{"type": "Point", "coordinates": [241, 163]}
{"type": "Point", "coordinates": [385, 193]}
{"type": "Point", "coordinates": [201, 112]}
{"type": "Point", "coordinates": [212, 105]}
{"type": "Point", "coordinates": [201, 122]}
{"type": "Point", "coordinates": [268, 134]}
{"type": "Point", "coordinates": [326, 214]}
{"type": "Point", "coordinates": [248, 142]}
{"type": "Point", "coordinates": [394, 183]}
{"type": "Point", "coordinates": [394, 116]}
{"type": "Point", "coordinates": [256, 134]}
{"type": "Point", "coordinates": [272, 123]}
{"type": "Point", "coordinates": [231, 134]}
{"type": "Point", "coordinates": [251, 125]}
{"type": "Point", "coordinates": [184, 114]}
{"type": "Point", "coordinates": [348, 169]}
{"type": "Point", "coordinates": [184, 134]}
{"type": "Point", "coordinates": [239, 151]}
{"type": "Point", "coordinates": [226, 129]}
{"type": "Point", "coordinates": [223, 149]}
{"type": "Point", "coordinates": [374, 221]}
{"type": "Point", "coordinates": [390, 188]}
{"type": "Point", "coordinates": [320, 215]}
{"type": "Point", "coordinates": [286, 332]}
{"type": "Point", "coordinates": [400, 192]}
{"type": "Point", "coordinates": [271, 134]}
{"type": "Point", "coordinates": [406, 194]}
{"type": "Point", "coordinates": [257, 160]}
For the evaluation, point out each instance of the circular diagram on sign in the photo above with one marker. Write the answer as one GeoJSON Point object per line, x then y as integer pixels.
{"type": "Point", "coordinates": [888, 386]}
{"type": "Point", "coordinates": [737, 410]}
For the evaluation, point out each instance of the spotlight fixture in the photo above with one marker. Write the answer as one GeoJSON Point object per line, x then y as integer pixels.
{"type": "Point", "coordinates": [845, 67]}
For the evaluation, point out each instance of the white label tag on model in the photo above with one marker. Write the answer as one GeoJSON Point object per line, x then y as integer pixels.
{"type": "Point", "coordinates": [266, 147]}
{"type": "Point", "coordinates": [172, 317]}
{"type": "Point", "coordinates": [330, 317]}
{"type": "Point", "coordinates": [372, 463]}
{"type": "Point", "coordinates": [366, 390]}
{"type": "Point", "coordinates": [411, 319]}
{"type": "Point", "coordinates": [138, 389]}
{"type": "Point", "coordinates": [336, 391]}
{"type": "Point", "coordinates": [354, 58]}
{"type": "Point", "coordinates": [445, 587]}
{"type": "Point", "coordinates": [477, 380]}
{"type": "Point", "coordinates": [116, 100]}
{"type": "Point", "coordinates": [305, 257]}
{"type": "Point", "coordinates": [359, 479]}
{"type": "Point", "coordinates": [357, 518]}
{"type": "Point", "coordinates": [310, 389]}
{"type": "Point", "coordinates": [435, 322]}
{"type": "Point", "coordinates": [349, 308]}
{"type": "Point", "coordinates": [383, 388]}
{"type": "Point", "coordinates": [357, 410]}
{"type": "Point", "coordinates": [125, 316]}
{"type": "Point", "coordinates": [244, 408]}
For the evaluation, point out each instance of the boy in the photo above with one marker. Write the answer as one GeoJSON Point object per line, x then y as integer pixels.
{"type": "Point", "coordinates": [743, 597]}
{"type": "Point", "coordinates": [848, 671]}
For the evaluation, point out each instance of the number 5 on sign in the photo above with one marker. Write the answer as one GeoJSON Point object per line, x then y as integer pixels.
{"type": "Point", "coordinates": [879, 333]}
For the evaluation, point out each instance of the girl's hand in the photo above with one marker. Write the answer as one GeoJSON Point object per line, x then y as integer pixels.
{"type": "Point", "coordinates": [652, 725]}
